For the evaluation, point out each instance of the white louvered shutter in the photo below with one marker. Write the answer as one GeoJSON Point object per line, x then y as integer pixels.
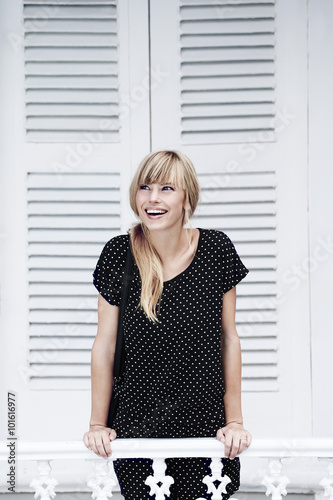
{"type": "Point", "coordinates": [71, 71]}
{"type": "Point", "coordinates": [230, 103]}
{"type": "Point", "coordinates": [227, 71]}
{"type": "Point", "coordinates": [68, 224]}
{"type": "Point", "coordinates": [243, 205]}
{"type": "Point", "coordinates": [79, 110]}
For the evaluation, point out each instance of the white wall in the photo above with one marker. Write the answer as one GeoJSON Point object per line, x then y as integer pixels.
{"type": "Point", "coordinates": [320, 263]}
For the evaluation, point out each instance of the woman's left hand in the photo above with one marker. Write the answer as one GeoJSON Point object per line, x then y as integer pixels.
{"type": "Point", "coordinates": [235, 438]}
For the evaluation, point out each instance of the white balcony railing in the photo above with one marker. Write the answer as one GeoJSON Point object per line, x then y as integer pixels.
{"type": "Point", "coordinates": [310, 457]}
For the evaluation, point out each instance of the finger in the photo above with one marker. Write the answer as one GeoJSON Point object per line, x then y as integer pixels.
{"type": "Point", "coordinates": [100, 446]}
{"type": "Point", "coordinates": [86, 441]}
{"type": "Point", "coordinates": [220, 435]}
{"type": "Point", "coordinates": [249, 440]}
{"type": "Point", "coordinates": [228, 444]}
{"type": "Point", "coordinates": [234, 448]}
{"type": "Point", "coordinates": [242, 445]}
{"type": "Point", "coordinates": [106, 443]}
{"type": "Point", "coordinates": [93, 446]}
{"type": "Point", "coordinates": [113, 434]}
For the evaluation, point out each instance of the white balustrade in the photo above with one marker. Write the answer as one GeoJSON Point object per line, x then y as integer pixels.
{"type": "Point", "coordinates": [276, 452]}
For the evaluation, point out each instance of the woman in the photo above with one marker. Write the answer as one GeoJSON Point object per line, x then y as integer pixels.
{"type": "Point", "coordinates": [183, 358]}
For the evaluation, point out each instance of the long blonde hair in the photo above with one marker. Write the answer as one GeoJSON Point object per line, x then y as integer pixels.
{"type": "Point", "coordinates": [160, 167]}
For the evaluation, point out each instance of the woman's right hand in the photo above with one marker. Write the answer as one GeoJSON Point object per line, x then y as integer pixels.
{"type": "Point", "coordinates": [98, 440]}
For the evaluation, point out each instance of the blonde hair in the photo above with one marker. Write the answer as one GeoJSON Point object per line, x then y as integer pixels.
{"type": "Point", "coordinates": [160, 167]}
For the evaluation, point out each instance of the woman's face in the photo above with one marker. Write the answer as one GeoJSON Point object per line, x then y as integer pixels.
{"type": "Point", "coordinates": [166, 197]}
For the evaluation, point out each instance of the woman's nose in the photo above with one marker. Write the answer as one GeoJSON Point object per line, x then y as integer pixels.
{"type": "Point", "coordinates": [154, 194]}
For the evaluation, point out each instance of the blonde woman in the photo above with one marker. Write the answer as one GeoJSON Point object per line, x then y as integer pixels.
{"type": "Point", "coordinates": [183, 358]}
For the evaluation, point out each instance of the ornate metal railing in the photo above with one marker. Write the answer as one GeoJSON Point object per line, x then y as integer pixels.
{"type": "Point", "coordinates": [273, 478]}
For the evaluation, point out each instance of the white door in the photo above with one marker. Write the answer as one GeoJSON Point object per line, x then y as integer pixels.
{"type": "Point", "coordinates": [228, 87]}
{"type": "Point", "coordinates": [235, 101]}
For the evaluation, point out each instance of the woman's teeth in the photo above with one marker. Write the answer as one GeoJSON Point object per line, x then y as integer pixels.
{"type": "Point", "coordinates": [155, 214]}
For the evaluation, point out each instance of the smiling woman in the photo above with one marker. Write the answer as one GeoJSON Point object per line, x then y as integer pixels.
{"type": "Point", "coordinates": [183, 361]}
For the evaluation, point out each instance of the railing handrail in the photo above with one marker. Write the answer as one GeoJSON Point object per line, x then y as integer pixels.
{"type": "Point", "coordinates": [169, 447]}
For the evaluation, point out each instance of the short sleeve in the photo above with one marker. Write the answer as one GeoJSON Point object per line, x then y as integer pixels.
{"type": "Point", "coordinates": [232, 268]}
{"type": "Point", "coordinates": [108, 273]}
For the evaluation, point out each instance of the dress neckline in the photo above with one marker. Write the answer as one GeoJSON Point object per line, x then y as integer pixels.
{"type": "Point", "coordinates": [191, 263]}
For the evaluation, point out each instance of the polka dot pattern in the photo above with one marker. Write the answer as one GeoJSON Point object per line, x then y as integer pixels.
{"type": "Point", "coordinates": [187, 473]}
{"type": "Point", "coordinates": [173, 383]}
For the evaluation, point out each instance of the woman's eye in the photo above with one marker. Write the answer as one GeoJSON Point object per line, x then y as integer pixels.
{"type": "Point", "coordinates": [146, 186]}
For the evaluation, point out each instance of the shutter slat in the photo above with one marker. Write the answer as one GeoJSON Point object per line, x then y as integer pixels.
{"type": "Point", "coordinates": [90, 68]}
{"type": "Point", "coordinates": [227, 82]}
{"type": "Point", "coordinates": [60, 236]}
{"type": "Point", "coordinates": [259, 358]}
{"type": "Point", "coordinates": [64, 302]}
{"type": "Point", "coordinates": [222, 26]}
{"type": "Point", "coordinates": [60, 39]}
{"type": "Point", "coordinates": [49, 180]}
{"type": "Point", "coordinates": [58, 332]}
{"type": "Point", "coordinates": [62, 370]}
{"type": "Point", "coordinates": [38, 290]}
{"type": "Point", "coordinates": [216, 124]}
{"type": "Point", "coordinates": [59, 317]}
{"type": "Point", "coordinates": [69, 109]}
{"type": "Point", "coordinates": [64, 249]}
{"type": "Point", "coordinates": [236, 222]}
{"type": "Point", "coordinates": [42, 82]}
{"type": "Point", "coordinates": [82, 195]}
{"type": "Point", "coordinates": [231, 109]}
{"type": "Point", "coordinates": [72, 95]}
{"type": "Point", "coordinates": [220, 10]}
{"type": "Point", "coordinates": [260, 371]}
{"type": "Point", "coordinates": [228, 40]}
{"type": "Point", "coordinates": [228, 68]}
{"type": "Point", "coordinates": [37, 263]}
{"type": "Point", "coordinates": [50, 359]}
{"type": "Point", "coordinates": [257, 330]}
{"type": "Point", "coordinates": [71, 10]}
{"type": "Point", "coordinates": [217, 54]}
{"type": "Point", "coordinates": [53, 54]}
{"type": "Point", "coordinates": [259, 344]}
{"type": "Point", "coordinates": [227, 96]}
{"type": "Point", "coordinates": [69, 222]}
{"type": "Point", "coordinates": [70, 209]}
{"type": "Point", "coordinates": [59, 344]}
{"type": "Point", "coordinates": [238, 208]}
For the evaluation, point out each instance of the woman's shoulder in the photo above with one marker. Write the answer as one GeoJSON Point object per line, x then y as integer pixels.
{"type": "Point", "coordinates": [217, 236]}
{"type": "Point", "coordinates": [116, 246]}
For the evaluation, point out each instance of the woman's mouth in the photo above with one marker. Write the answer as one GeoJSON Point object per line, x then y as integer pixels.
{"type": "Point", "coordinates": [155, 214]}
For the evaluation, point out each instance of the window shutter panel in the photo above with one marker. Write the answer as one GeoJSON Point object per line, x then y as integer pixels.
{"type": "Point", "coordinates": [221, 64]}
{"type": "Point", "coordinates": [243, 206]}
{"type": "Point", "coordinates": [71, 71]}
{"type": "Point", "coordinates": [227, 71]}
{"type": "Point", "coordinates": [68, 225]}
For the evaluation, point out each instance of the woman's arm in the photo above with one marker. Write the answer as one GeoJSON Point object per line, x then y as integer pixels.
{"type": "Point", "coordinates": [102, 359]}
{"type": "Point", "coordinates": [233, 434]}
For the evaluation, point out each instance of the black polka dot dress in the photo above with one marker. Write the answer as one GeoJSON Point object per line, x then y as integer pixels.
{"type": "Point", "coordinates": [173, 383]}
